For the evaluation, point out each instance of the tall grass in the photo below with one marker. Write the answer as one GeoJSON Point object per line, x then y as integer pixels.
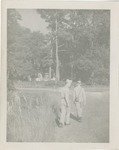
{"type": "Point", "coordinates": [30, 117]}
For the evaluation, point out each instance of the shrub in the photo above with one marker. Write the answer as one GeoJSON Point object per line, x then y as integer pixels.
{"type": "Point", "coordinates": [34, 84]}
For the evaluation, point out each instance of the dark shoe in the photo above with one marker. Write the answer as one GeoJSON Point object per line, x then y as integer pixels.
{"type": "Point", "coordinates": [80, 119]}
{"type": "Point", "coordinates": [67, 124]}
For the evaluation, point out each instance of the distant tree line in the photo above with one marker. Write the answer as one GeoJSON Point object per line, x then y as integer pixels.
{"type": "Point", "coordinates": [77, 46]}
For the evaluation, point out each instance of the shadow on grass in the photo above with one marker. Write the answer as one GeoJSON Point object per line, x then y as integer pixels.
{"type": "Point", "coordinates": [57, 121]}
{"type": "Point", "coordinates": [73, 117]}
{"type": "Point", "coordinates": [57, 114]}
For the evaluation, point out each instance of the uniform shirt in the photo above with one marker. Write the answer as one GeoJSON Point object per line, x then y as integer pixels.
{"type": "Point", "coordinates": [65, 96]}
{"type": "Point", "coordinates": [79, 94]}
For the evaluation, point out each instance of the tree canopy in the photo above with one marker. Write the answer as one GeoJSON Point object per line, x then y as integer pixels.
{"type": "Point", "coordinates": [27, 51]}
{"type": "Point", "coordinates": [77, 45]}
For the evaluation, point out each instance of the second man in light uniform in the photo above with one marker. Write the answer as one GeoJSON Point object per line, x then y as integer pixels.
{"type": "Point", "coordinates": [79, 98]}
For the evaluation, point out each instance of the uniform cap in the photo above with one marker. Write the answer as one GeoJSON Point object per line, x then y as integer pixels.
{"type": "Point", "coordinates": [79, 82]}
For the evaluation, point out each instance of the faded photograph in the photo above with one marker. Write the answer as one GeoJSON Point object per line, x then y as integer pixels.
{"type": "Point", "coordinates": [58, 75]}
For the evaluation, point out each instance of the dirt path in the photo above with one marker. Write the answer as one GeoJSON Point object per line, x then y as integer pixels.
{"type": "Point", "coordinates": [94, 126]}
{"type": "Point", "coordinates": [76, 132]}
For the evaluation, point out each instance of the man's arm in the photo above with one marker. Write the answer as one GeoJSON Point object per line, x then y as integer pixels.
{"type": "Point", "coordinates": [74, 95]}
{"type": "Point", "coordinates": [67, 98]}
{"type": "Point", "coordinates": [62, 93]}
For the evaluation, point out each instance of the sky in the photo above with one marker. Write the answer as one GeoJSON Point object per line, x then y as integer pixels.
{"type": "Point", "coordinates": [32, 20]}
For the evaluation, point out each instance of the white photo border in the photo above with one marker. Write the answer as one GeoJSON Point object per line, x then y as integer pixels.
{"type": "Point", "coordinates": [114, 73]}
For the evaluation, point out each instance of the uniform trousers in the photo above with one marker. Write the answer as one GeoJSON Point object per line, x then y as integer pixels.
{"type": "Point", "coordinates": [65, 114]}
{"type": "Point", "coordinates": [79, 108]}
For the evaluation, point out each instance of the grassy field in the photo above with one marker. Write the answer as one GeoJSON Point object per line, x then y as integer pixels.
{"type": "Point", "coordinates": [31, 117]}
{"type": "Point", "coordinates": [33, 121]}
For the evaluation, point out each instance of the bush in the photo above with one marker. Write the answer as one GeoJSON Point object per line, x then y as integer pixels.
{"type": "Point", "coordinates": [34, 84]}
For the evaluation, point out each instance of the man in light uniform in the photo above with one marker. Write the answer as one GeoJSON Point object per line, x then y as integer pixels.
{"type": "Point", "coordinates": [79, 98]}
{"type": "Point", "coordinates": [65, 104]}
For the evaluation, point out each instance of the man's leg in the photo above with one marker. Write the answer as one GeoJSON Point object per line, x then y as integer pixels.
{"type": "Point", "coordinates": [62, 115]}
{"type": "Point", "coordinates": [79, 109]}
{"type": "Point", "coordinates": [67, 115]}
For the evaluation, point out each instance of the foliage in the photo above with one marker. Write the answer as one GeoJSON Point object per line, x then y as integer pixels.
{"type": "Point", "coordinates": [77, 46]}
{"type": "Point", "coordinates": [40, 84]}
{"type": "Point", "coordinates": [28, 52]}
{"type": "Point", "coordinates": [85, 36]}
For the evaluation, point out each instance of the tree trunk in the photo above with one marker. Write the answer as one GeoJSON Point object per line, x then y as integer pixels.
{"type": "Point", "coordinates": [72, 74]}
{"type": "Point", "coordinates": [50, 73]}
{"type": "Point", "coordinates": [57, 58]}
{"type": "Point", "coordinates": [72, 66]}
{"type": "Point", "coordinates": [50, 67]}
